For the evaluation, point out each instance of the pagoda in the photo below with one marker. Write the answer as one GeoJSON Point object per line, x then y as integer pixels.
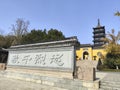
{"type": "Point", "coordinates": [98, 35]}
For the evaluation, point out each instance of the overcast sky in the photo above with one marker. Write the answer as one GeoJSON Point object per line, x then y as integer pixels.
{"type": "Point", "coordinates": [72, 17]}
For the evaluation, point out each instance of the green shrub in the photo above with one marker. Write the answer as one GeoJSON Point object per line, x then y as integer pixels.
{"type": "Point", "coordinates": [102, 67]}
{"type": "Point", "coordinates": [112, 60]}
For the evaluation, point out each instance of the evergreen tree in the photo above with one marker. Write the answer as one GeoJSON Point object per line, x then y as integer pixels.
{"type": "Point", "coordinates": [37, 36]}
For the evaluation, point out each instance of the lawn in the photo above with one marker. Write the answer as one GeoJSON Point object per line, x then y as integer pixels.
{"type": "Point", "coordinates": [111, 70]}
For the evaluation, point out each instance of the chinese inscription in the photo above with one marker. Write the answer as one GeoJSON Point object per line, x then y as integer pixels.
{"type": "Point", "coordinates": [15, 59]}
{"type": "Point", "coordinates": [38, 59]}
{"type": "Point", "coordinates": [26, 59]}
{"type": "Point", "coordinates": [57, 59]}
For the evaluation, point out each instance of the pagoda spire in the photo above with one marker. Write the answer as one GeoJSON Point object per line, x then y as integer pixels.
{"type": "Point", "coordinates": [98, 23]}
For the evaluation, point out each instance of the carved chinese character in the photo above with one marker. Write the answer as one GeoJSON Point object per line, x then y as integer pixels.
{"type": "Point", "coordinates": [57, 59]}
{"type": "Point", "coordinates": [15, 59]}
{"type": "Point", "coordinates": [40, 59]}
{"type": "Point", "coordinates": [26, 59]}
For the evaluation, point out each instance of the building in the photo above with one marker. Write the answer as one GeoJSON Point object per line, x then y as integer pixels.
{"type": "Point", "coordinates": [95, 51]}
{"type": "Point", "coordinates": [98, 34]}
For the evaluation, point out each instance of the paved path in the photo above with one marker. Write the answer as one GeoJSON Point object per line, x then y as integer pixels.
{"type": "Point", "coordinates": [110, 81]}
{"type": "Point", "coordinates": [101, 75]}
{"type": "Point", "coordinates": [13, 84]}
{"type": "Point", "coordinates": [111, 76]}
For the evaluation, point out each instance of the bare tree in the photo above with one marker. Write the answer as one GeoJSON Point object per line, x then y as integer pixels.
{"type": "Point", "coordinates": [1, 31]}
{"type": "Point", "coordinates": [19, 29]}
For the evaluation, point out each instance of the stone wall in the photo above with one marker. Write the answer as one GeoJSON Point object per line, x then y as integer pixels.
{"type": "Point", "coordinates": [47, 56]}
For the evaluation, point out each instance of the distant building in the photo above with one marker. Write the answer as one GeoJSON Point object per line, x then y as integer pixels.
{"type": "Point", "coordinates": [95, 51]}
{"type": "Point", "coordinates": [98, 35]}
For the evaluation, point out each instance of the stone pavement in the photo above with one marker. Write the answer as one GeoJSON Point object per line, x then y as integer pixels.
{"type": "Point", "coordinates": [101, 75]}
{"type": "Point", "coordinates": [13, 84]}
{"type": "Point", "coordinates": [111, 76]}
{"type": "Point", "coordinates": [109, 80]}
{"type": "Point", "coordinates": [115, 76]}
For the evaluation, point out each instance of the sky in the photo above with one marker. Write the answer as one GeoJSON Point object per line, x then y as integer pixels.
{"type": "Point", "coordinates": [72, 17]}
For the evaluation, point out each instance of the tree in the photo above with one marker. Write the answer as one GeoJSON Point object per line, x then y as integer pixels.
{"type": "Point", "coordinates": [117, 13]}
{"type": "Point", "coordinates": [112, 47]}
{"type": "Point", "coordinates": [19, 29]}
{"type": "Point", "coordinates": [2, 40]}
{"type": "Point", "coordinates": [34, 36]}
{"type": "Point", "coordinates": [54, 34]}
{"type": "Point", "coordinates": [37, 36]}
{"type": "Point", "coordinates": [6, 41]}
{"type": "Point", "coordinates": [112, 40]}
{"type": "Point", "coordinates": [9, 40]}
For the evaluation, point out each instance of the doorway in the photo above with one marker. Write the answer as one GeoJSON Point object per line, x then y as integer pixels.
{"type": "Point", "coordinates": [85, 55]}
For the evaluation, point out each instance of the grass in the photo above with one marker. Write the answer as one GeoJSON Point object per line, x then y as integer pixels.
{"type": "Point", "coordinates": [111, 70]}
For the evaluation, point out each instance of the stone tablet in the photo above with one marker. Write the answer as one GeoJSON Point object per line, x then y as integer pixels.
{"type": "Point", "coordinates": [85, 70]}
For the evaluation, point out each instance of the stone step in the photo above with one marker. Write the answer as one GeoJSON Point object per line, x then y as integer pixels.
{"type": "Point", "coordinates": [110, 85]}
{"type": "Point", "coordinates": [111, 82]}
{"type": "Point", "coordinates": [113, 79]}
{"type": "Point", "coordinates": [109, 88]}
{"type": "Point", "coordinates": [101, 89]}
{"type": "Point", "coordinates": [106, 89]}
